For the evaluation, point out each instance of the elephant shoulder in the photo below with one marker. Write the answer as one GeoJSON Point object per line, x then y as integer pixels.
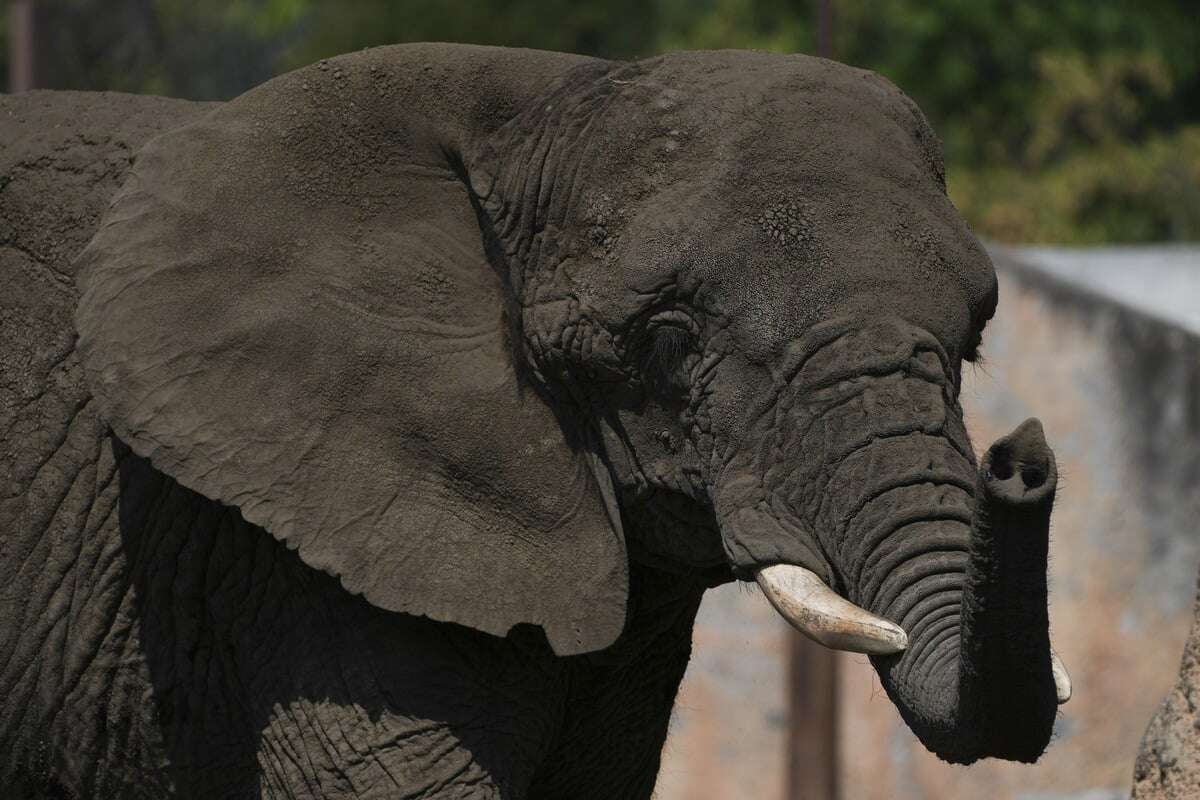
{"type": "Point", "coordinates": [62, 157]}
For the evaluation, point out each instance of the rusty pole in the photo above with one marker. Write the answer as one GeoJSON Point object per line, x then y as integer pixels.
{"type": "Point", "coordinates": [813, 728]}
{"type": "Point", "coordinates": [21, 56]}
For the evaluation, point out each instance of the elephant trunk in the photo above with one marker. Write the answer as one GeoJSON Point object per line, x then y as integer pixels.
{"type": "Point", "coordinates": [977, 678]}
{"type": "Point", "coordinates": [859, 510]}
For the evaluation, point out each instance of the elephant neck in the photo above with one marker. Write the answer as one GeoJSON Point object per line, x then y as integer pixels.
{"type": "Point", "coordinates": [619, 700]}
{"type": "Point", "coordinates": [662, 606]}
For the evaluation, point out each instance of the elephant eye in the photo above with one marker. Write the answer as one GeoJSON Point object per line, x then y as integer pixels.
{"type": "Point", "coordinates": [663, 358]}
{"type": "Point", "coordinates": [986, 313]}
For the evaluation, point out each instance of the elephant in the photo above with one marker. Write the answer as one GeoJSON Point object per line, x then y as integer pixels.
{"type": "Point", "coordinates": [399, 412]}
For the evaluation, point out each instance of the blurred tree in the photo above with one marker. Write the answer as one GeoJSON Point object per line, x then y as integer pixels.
{"type": "Point", "coordinates": [1071, 121]}
{"type": "Point", "coordinates": [976, 66]}
{"type": "Point", "coordinates": [209, 50]}
{"type": "Point", "coordinates": [781, 26]}
{"type": "Point", "coordinates": [608, 28]}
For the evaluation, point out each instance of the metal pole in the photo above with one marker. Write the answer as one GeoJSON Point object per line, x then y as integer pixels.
{"type": "Point", "coordinates": [813, 731]}
{"type": "Point", "coordinates": [21, 56]}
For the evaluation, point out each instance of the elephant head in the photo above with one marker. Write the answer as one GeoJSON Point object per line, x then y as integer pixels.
{"type": "Point", "coordinates": [470, 328]}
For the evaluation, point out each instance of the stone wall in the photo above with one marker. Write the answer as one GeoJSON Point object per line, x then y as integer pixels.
{"type": "Point", "coordinates": [1118, 389]}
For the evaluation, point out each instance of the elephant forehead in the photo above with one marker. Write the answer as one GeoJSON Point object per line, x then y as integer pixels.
{"type": "Point", "coordinates": [770, 114]}
{"type": "Point", "coordinates": [796, 144]}
{"type": "Point", "coordinates": [783, 257]}
{"type": "Point", "coordinates": [792, 189]}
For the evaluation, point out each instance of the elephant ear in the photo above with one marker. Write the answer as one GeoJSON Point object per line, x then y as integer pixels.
{"type": "Point", "coordinates": [289, 309]}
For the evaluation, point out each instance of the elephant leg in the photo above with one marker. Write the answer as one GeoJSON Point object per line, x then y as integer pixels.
{"type": "Point", "coordinates": [620, 699]}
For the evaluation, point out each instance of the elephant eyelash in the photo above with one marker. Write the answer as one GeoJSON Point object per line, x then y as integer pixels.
{"type": "Point", "coordinates": [668, 345]}
{"type": "Point", "coordinates": [989, 310]}
{"type": "Point", "coordinates": [973, 352]}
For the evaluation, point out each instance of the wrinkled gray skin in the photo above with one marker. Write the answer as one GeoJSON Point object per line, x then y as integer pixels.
{"type": "Point", "coordinates": [417, 396]}
{"type": "Point", "coordinates": [1168, 763]}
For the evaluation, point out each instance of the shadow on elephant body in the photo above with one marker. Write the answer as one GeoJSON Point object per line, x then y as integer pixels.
{"type": "Point", "coordinates": [290, 653]}
{"type": "Point", "coordinates": [268, 675]}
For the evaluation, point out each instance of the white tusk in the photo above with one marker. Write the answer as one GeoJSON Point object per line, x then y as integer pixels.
{"type": "Point", "coordinates": [1062, 681]}
{"type": "Point", "coordinates": [825, 617]}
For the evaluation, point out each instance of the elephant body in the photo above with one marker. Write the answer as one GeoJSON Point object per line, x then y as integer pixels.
{"type": "Point", "coordinates": [63, 572]}
{"type": "Point", "coordinates": [155, 644]}
{"type": "Point", "coordinates": [389, 428]}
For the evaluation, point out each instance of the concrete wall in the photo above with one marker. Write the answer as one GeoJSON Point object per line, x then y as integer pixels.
{"type": "Point", "coordinates": [1118, 390]}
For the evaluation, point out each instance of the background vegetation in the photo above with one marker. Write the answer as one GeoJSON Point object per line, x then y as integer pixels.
{"type": "Point", "coordinates": [1073, 121]}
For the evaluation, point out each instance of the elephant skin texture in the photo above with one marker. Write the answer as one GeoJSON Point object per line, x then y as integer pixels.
{"type": "Point", "coordinates": [1168, 765]}
{"type": "Point", "coordinates": [393, 418]}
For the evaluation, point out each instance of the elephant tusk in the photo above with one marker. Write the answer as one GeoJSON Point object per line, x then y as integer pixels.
{"type": "Point", "coordinates": [822, 615]}
{"type": "Point", "coordinates": [1062, 680]}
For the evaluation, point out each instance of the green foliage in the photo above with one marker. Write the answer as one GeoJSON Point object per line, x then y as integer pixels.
{"type": "Point", "coordinates": [776, 25]}
{"type": "Point", "coordinates": [609, 28]}
{"type": "Point", "coordinates": [1071, 121]}
{"type": "Point", "coordinates": [1090, 164]}
{"type": "Point", "coordinates": [1120, 191]}
{"type": "Point", "coordinates": [202, 50]}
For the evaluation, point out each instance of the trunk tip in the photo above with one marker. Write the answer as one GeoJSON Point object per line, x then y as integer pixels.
{"type": "Point", "coordinates": [1020, 467]}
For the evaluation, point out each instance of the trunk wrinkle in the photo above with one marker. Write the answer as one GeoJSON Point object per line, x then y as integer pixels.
{"type": "Point", "coordinates": [933, 542]}
{"type": "Point", "coordinates": [943, 654]}
{"type": "Point", "coordinates": [885, 599]}
{"type": "Point", "coordinates": [948, 598]}
{"type": "Point", "coordinates": [943, 626]}
{"type": "Point", "coordinates": [873, 546]}
{"type": "Point", "coordinates": [821, 337]}
{"type": "Point", "coordinates": [919, 448]}
{"type": "Point", "coordinates": [882, 371]}
{"type": "Point", "coordinates": [850, 518]}
{"type": "Point", "coordinates": [898, 563]}
{"type": "Point", "coordinates": [935, 635]}
{"type": "Point", "coordinates": [926, 623]}
{"type": "Point", "coordinates": [898, 431]}
{"type": "Point", "coordinates": [942, 584]}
